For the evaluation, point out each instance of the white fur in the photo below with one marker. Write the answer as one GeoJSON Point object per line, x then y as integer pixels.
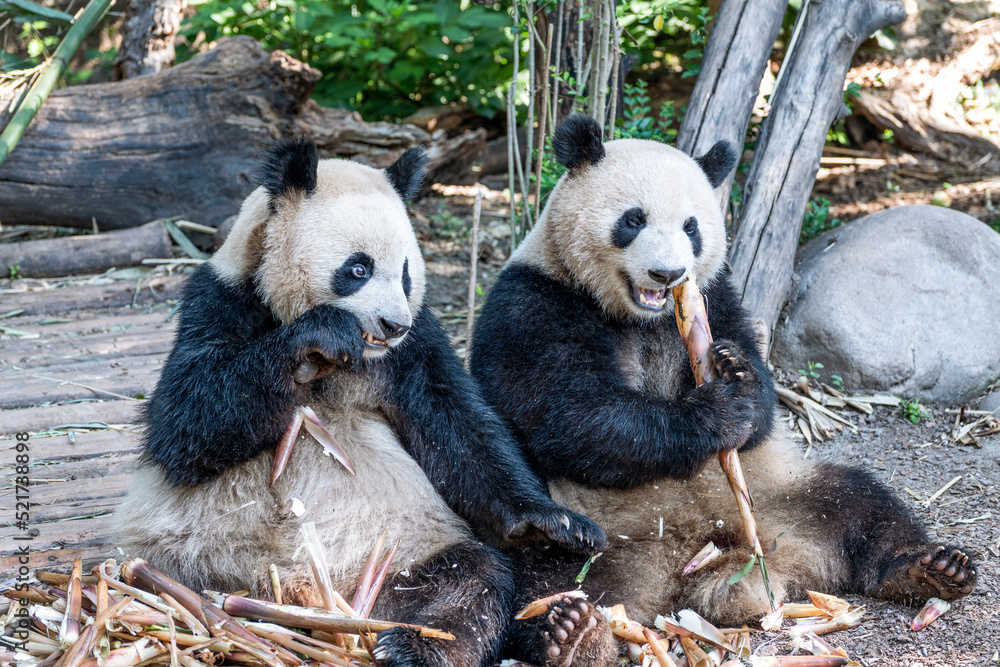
{"type": "Point", "coordinates": [294, 250]}
{"type": "Point", "coordinates": [572, 240]}
{"type": "Point", "coordinates": [225, 533]}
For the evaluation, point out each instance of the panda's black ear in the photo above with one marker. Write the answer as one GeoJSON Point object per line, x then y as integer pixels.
{"type": "Point", "coordinates": [717, 162]}
{"type": "Point", "coordinates": [407, 173]}
{"type": "Point", "coordinates": [289, 166]}
{"type": "Point", "coordinates": [578, 142]}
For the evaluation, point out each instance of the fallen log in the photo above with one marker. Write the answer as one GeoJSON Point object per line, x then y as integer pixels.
{"type": "Point", "coordinates": [186, 141]}
{"type": "Point", "coordinates": [919, 103]}
{"type": "Point", "coordinates": [76, 255]}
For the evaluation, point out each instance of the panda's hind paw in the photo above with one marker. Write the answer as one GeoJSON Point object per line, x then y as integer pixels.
{"type": "Point", "coordinates": [576, 633]}
{"type": "Point", "coordinates": [946, 570]}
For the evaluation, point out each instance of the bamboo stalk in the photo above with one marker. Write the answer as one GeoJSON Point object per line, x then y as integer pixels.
{"type": "Point", "coordinates": [69, 631]}
{"type": "Point", "coordinates": [692, 322]}
{"type": "Point", "coordinates": [543, 117]}
{"type": "Point", "coordinates": [310, 618]}
{"type": "Point", "coordinates": [47, 80]}
{"type": "Point", "coordinates": [477, 210]}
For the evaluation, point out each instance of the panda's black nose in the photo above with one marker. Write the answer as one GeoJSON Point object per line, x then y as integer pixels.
{"type": "Point", "coordinates": [666, 276]}
{"type": "Point", "coordinates": [393, 329]}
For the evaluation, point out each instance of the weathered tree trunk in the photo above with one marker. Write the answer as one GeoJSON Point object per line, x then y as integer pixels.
{"type": "Point", "coordinates": [918, 105]}
{"type": "Point", "coordinates": [148, 37]}
{"type": "Point", "coordinates": [808, 97]}
{"type": "Point", "coordinates": [93, 253]}
{"type": "Point", "coordinates": [185, 141]}
{"type": "Point", "coordinates": [737, 52]}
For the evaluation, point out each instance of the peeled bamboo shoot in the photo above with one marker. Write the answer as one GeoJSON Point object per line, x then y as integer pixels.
{"type": "Point", "coordinates": [692, 322]}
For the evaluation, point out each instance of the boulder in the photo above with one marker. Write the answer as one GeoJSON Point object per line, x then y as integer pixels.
{"type": "Point", "coordinates": [906, 301]}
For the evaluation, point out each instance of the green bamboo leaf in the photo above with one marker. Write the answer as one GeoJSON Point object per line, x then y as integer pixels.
{"type": "Point", "coordinates": [22, 7]}
{"type": "Point", "coordinates": [743, 572]}
{"type": "Point", "coordinates": [586, 568]}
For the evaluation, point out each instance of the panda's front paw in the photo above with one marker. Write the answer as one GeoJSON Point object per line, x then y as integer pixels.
{"type": "Point", "coordinates": [404, 647]}
{"type": "Point", "coordinates": [325, 337]}
{"type": "Point", "coordinates": [554, 524]}
{"type": "Point", "coordinates": [732, 366]}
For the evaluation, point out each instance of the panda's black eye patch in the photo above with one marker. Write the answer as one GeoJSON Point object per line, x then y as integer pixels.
{"type": "Point", "coordinates": [628, 227]}
{"type": "Point", "coordinates": [691, 229]}
{"type": "Point", "coordinates": [406, 277]}
{"type": "Point", "coordinates": [353, 274]}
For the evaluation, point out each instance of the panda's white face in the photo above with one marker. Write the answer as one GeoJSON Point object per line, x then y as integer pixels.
{"type": "Point", "coordinates": [631, 226]}
{"type": "Point", "coordinates": [347, 243]}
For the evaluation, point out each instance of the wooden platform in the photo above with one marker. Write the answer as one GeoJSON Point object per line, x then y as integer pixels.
{"type": "Point", "coordinates": [72, 363]}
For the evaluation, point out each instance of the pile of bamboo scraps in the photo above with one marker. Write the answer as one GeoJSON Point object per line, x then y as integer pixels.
{"type": "Point", "coordinates": [813, 406]}
{"type": "Point", "coordinates": [688, 640]}
{"type": "Point", "coordinates": [136, 615]}
{"type": "Point", "coordinates": [977, 424]}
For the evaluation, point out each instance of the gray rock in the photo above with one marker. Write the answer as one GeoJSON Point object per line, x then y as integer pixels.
{"type": "Point", "coordinates": [906, 300]}
{"type": "Point", "coordinates": [990, 402]}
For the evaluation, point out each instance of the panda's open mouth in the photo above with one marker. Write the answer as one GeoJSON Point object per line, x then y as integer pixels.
{"type": "Point", "coordinates": [372, 341]}
{"type": "Point", "coordinates": [651, 299]}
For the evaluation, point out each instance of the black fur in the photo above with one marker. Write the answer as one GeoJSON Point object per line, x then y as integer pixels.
{"type": "Point", "coordinates": [406, 277]}
{"type": "Point", "coordinates": [407, 173]}
{"type": "Point", "coordinates": [289, 166]}
{"type": "Point", "coordinates": [561, 389]}
{"type": "Point", "coordinates": [226, 392]}
{"type": "Point", "coordinates": [468, 589]}
{"type": "Point", "coordinates": [466, 451]}
{"type": "Point", "coordinates": [717, 162]}
{"type": "Point", "coordinates": [345, 282]}
{"type": "Point", "coordinates": [226, 395]}
{"type": "Point", "coordinates": [628, 227]}
{"type": "Point", "coordinates": [691, 229]}
{"type": "Point", "coordinates": [578, 142]}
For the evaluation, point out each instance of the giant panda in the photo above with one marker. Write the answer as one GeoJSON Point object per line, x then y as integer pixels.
{"type": "Point", "coordinates": [578, 349]}
{"type": "Point", "coordinates": [322, 270]}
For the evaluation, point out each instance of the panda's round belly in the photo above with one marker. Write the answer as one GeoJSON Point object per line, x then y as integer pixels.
{"type": "Point", "coordinates": [224, 533]}
{"type": "Point", "coordinates": [772, 470]}
{"type": "Point", "coordinates": [390, 493]}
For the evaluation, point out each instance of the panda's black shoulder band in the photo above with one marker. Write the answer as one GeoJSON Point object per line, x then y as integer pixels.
{"type": "Point", "coordinates": [407, 173]}
{"type": "Point", "coordinates": [717, 162]}
{"type": "Point", "coordinates": [289, 166]}
{"type": "Point", "coordinates": [578, 142]}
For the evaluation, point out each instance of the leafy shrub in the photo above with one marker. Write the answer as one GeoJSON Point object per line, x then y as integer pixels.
{"type": "Point", "coordinates": [382, 57]}
{"type": "Point", "coordinates": [816, 220]}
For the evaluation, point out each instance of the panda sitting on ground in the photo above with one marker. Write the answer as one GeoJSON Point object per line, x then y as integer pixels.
{"type": "Point", "coordinates": [322, 266]}
{"type": "Point", "coordinates": [578, 349]}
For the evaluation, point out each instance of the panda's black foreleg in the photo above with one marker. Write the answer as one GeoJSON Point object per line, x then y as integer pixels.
{"type": "Point", "coordinates": [889, 553]}
{"type": "Point", "coordinates": [227, 391]}
{"type": "Point", "coordinates": [467, 590]}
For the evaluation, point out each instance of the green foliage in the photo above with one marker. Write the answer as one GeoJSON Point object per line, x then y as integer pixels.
{"type": "Point", "coordinates": [816, 220]}
{"type": "Point", "coordinates": [744, 571]}
{"type": "Point", "coordinates": [660, 27]}
{"type": "Point", "coordinates": [15, 271]}
{"type": "Point", "coordinates": [912, 410]}
{"type": "Point", "coordinates": [994, 224]}
{"type": "Point", "coordinates": [837, 382]}
{"type": "Point", "coordinates": [481, 293]}
{"type": "Point", "coordinates": [382, 57]}
{"type": "Point", "coordinates": [810, 371]}
{"type": "Point", "coordinates": [637, 122]}
{"type": "Point", "coordinates": [448, 225]}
